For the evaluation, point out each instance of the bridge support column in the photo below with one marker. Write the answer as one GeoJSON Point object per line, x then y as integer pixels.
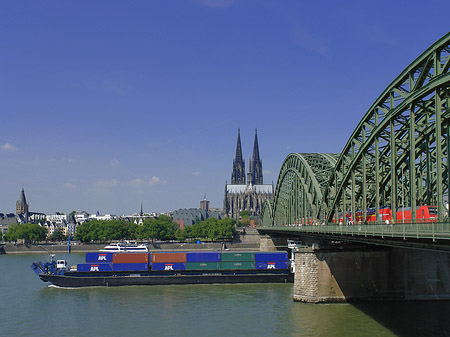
{"type": "Point", "coordinates": [268, 243]}
{"type": "Point", "coordinates": [339, 275]}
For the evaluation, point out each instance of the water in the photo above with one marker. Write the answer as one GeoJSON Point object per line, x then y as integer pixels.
{"type": "Point", "coordinates": [30, 307]}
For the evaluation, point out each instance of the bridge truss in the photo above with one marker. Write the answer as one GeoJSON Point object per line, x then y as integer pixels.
{"type": "Point", "coordinates": [398, 155]}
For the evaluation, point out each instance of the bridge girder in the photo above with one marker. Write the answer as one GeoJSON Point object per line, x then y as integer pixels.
{"type": "Point", "coordinates": [397, 156]}
{"type": "Point", "coordinates": [299, 193]}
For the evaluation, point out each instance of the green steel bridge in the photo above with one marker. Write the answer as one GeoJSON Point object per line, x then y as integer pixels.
{"type": "Point", "coordinates": [398, 157]}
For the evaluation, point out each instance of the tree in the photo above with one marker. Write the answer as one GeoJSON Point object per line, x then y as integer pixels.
{"type": "Point", "coordinates": [28, 232]}
{"type": "Point", "coordinates": [244, 219]}
{"type": "Point", "coordinates": [211, 229]}
{"type": "Point", "coordinates": [58, 235]}
{"type": "Point", "coordinates": [162, 228]}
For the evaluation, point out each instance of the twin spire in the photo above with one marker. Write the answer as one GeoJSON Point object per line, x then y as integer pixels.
{"type": "Point", "coordinates": [254, 175]}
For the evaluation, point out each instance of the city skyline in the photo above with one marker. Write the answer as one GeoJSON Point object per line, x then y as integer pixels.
{"type": "Point", "coordinates": [106, 105]}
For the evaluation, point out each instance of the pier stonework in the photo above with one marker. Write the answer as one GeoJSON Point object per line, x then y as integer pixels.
{"type": "Point", "coordinates": [268, 243]}
{"type": "Point", "coordinates": [334, 275]}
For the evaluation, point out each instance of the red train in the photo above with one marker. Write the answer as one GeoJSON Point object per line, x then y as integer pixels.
{"type": "Point", "coordinates": [423, 214]}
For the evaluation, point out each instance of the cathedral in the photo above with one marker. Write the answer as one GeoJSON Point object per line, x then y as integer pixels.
{"type": "Point", "coordinates": [246, 196]}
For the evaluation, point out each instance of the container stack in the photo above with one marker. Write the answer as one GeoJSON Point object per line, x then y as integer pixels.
{"type": "Point", "coordinates": [130, 262]}
{"type": "Point", "coordinates": [96, 262]}
{"type": "Point", "coordinates": [237, 260]}
{"type": "Point", "coordinates": [115, 262]}
{"type": "Point", "coordinates": [271, 260]}
{"type": "Point", "coordinates": [168, 261]}
{"type": "Point", "coordinates": [203, 261]}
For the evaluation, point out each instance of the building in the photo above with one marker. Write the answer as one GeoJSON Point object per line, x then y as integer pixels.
{"type": "Point", "coordinates": [139, 218]}
{"type": "Point", "coordinates": [189, 216]}
{"type": "Point", "coordinates": [246, 196]}
{"type": "Point", "coordinates": [36, 217]}
{"type": "Point", "coordinates": [7, 220]}
{"type": "Point", "coordinates": [22, 206]}
{"type": "Point", "coordinates": [58, 218]}
{"type": "Point", "coordinates": [204, 204]}
{"type": "Point", "coordinates": [80, 217]}
{"type": "Point", "coordinates": [70, 229]}
{"type": "Point", "coordinates": [105, 217]}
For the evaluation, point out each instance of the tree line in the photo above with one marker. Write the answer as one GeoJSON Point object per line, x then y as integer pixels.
{"type": "Point", "coordinates": [161, 229]}
{"type": "Point", "coordinates": [28, 232]}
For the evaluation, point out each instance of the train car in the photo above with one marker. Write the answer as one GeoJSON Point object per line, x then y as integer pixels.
{"type": "Point", "coordinates": [348, 217]}
{"type": "Point", "coordinates": [403, 215]}
{"type": "Point", "coordinates": [424, 213]}
{"type": "Point", "coordinates": [385, 214]}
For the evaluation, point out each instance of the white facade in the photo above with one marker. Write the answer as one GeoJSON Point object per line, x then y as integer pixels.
{"type": "Point", "coordinates": [81, 217]}
{"type": "Point", "coordinates": [58, 218]}
{"type": "Point", "coordinates": [102, 217]}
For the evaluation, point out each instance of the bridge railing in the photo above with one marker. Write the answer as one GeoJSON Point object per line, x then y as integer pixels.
{"type": "Point", "coordinates": [430, 230]}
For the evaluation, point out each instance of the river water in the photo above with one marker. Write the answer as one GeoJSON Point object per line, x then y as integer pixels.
{"type": "Point", "coordinates": [31, 308]}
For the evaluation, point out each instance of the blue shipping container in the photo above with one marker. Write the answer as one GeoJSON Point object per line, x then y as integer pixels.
{"type": "Point", "coordinates": [271, 256]}
{"type": "Point", "coordinates": [130, 266]}
{"type": "Point", "coordinates": [94, 267]}
{"type": "Point", "coordinates": [169, 266]}
{"type": "Point", "coordinates": [99, 257]}
{"type": "Point", "coordinates": [271, 265]}
{"type": "Point", "coordinates": [203, 257]}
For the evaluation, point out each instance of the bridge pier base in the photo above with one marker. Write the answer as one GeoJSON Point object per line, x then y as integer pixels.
{"type": "Point", "coordinates": [327, 275]}
{"type": "Point", "coordinates": [268, 243]}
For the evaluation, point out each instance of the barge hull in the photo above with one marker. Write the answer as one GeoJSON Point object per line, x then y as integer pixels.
{"type": "Point", "coordinates": [72, 281]}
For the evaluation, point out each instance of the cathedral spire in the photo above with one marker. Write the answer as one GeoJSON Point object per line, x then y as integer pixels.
{"type": "Point", "coordinates": [238, 156]}
{"type": "Point", "coordinates": [256, 163]}
{"type": "Point", "coordinates": [238, 175]}
{"type": "Point", "coordinates": [256, 147]}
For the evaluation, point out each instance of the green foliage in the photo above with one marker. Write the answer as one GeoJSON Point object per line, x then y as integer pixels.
{"type": "Point", "coordinates": [244, 220]}
{"type": "Point", "coordinates": [58, 235]}
{"type": "Point", "coordinates": [28, 232]}
{"type": "Point", "coordinates": [245, 214]}
{"type": "Point", "coordinates": [210, 229]}
{"type": "Point", "coordinates": [162, 228]}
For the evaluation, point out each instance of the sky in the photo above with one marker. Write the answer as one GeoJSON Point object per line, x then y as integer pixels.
{"type": "Point", "coordinates": [108, 104]}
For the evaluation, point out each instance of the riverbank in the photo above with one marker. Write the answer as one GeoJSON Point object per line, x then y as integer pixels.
{"type": "Point", "coordinates": [81, 248]}
{"type": "Point", "coordinates": [248, 239]}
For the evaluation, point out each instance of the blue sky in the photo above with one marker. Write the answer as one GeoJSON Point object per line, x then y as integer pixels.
{"type": "Point", "coordinates": [107, 104]}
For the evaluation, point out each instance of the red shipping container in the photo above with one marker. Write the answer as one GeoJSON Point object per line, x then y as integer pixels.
{"type": "Point", "coordinates": [130, 258]}
{"type": "Point", "coordinates": [168, 257]}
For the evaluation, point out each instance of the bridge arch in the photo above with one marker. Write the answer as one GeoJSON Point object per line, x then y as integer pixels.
{"type": "Point", "coordinates": [299, 193]}
{"type": "Point", "coordinates": [398, 155]}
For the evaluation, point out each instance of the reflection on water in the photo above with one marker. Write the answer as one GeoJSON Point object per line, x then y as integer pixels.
{"type": "Point", "coordinates": [31, 307]}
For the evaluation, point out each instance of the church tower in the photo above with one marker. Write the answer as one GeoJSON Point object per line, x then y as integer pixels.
{"type": "Point", "coordinates": [255, 174]}
{"type": "Point", "coordinates": [238, 175]}
{"type": "Point", "coordinates": [21, 205]}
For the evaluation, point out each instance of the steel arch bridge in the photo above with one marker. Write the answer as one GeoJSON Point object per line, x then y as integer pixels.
{"type": "Point", "coordinates": [398, 155]}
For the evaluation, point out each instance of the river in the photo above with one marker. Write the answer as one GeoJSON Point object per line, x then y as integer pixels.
{"type": "Point", "coordinates": [30, 307]}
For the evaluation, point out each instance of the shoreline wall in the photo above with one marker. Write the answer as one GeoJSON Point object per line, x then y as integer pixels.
{"type": "Point", "coordinates": [81, 248]}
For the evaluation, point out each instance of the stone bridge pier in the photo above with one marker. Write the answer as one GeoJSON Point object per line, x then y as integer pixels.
{"type": "Point", "coordinates": [326, 274]}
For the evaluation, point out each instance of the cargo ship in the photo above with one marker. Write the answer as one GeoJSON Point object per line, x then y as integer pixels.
{"type": "Point", "coordinates": [166, 268]}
